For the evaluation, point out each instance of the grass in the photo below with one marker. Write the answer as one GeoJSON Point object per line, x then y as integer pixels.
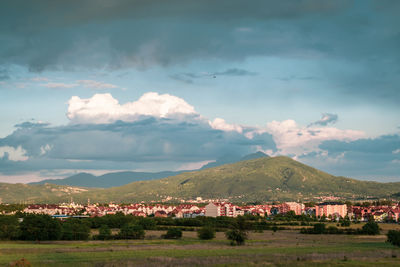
{"type": "Point", "coordinates": [276, 249]}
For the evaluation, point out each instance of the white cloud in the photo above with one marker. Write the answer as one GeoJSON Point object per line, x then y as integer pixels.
{"type": "Point", "coordinates": [103, 108]}
{"type": "Point", "coordinates": [60, 85]}
{"type": "Point", "coordinates": [13, 154]}
{"type": "Point", "coordinates": [40, 79]}
{"type": "Point", "coordinates": [221, 124]}
{"type": "Point", "coordinates": [96, 85]}
{"type": "Point", "coordinates": [45, 149]}
{"type": "Point", "coordinates": [397, 151]}
{"type": "Point", "coordinates": [291, 138]}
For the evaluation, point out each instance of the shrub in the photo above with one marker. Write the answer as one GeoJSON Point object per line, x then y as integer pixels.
{"type": "Point", "coordinates": [319, 228]}
{"type": "Point", "coordinates": [236, 236]}
{"type": "Point", "coordinates": [394, 237]}
{"type": "Point", "coordinates": [371, 228]}
{"type": "Point", "coordinates": [131, 231]}
{"type": "Point", "coordinates": [173, 233]}
{"type": "Point", "coordinates": [206, 232]}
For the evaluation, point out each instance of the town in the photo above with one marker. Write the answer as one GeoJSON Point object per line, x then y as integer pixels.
{"type": "Point", "coordinates": [330, 210]}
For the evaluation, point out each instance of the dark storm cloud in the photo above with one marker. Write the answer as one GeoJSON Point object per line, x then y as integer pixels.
{"type": "Point", "coordinates": [364, 158]}
{"type": "Point", "coordinates": [148, 140]}
{"type": "Point", "coordinates": [48, 34]}
{"type": "Point", "coordinates": [356, 43]}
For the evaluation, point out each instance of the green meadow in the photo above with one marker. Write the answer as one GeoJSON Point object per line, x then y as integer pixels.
{"type": "Point", "coordinates": [269, 248]}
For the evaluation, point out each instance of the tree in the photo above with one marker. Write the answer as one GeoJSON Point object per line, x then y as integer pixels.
{"type": "Point", "coordinates": [393, 237]}
{"type": "Point", "coordinates": [9, 227]}
{"type": "Point", "coordinates": [131, 231]}
{"type": "Point", "coordinates": [75, 229]}
{"type": "Point", "coordinates": [371, 228]}
{"type": "Point", "coordinates": [173, 233]}
{"type": "Point", "coordinates": [236, 236]}
{"type": "Point", "coordinates": [206, 232]}
{"type": "Point", "coordinates": [40, 227]}
{"type": "Point", "coordinates": [104, 232]}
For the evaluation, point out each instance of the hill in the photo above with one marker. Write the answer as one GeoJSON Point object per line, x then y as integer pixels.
{"type": "Point", "coordinates": [263, 179]}
{"type": "Point", "coordinates": [121, 178]}
{"type": "Point", "coordinates": [47, 193]}
{"type": "Point", "coordinates": [109, 179]}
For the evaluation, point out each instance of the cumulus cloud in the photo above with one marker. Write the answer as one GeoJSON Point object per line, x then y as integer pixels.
{"type": "Point", "coordinates": [327, 118]}
{"type": "Point", "coordinates": [221, 124]}
{"type": "Point", "coordinates": [13, 154]}
{"type": "Point", "coordinates": [293, 139]}
{"type": "Point", "coordinates": [103, 108]}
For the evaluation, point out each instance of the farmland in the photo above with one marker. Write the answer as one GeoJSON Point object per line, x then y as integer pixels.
{"type": "Point", "coordinates": [268, 248]}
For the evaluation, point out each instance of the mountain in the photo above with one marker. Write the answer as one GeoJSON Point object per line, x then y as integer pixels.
{"type": "Point", "coordinates": [122, 178]}
{"type": "Point", "coordinates": [233, 159]}
{"type": "Point", "coordinates": [47, 193]}
{"type": "Point", "coordinates": [108, 180]}
{"type": "Point", "coordinates": [262, 179]}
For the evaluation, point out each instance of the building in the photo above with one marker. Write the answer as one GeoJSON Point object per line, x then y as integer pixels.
{"type": "Point", "coordinates": [221, 209]}
{"type": "Point", "coordinates": [331, 209]}
{"type": "Point", "coordinates": [298, 208]}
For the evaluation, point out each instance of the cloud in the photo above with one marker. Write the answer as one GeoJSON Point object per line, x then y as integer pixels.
{"type": "Point", "coordinates": [365, 158]}
{"type": "Point", "coordinates": [156, 132]}
{"type": "Point", "coordinates": [40, 79]}
{"type": "Point", "coordinates": [60, 85]}
{"type": "Point", "coordinates": [139, 34]}
{"type": "Point", "coordinates": [103, 108]}
{"type": "Point", "coordinates": [221, 124]}
{"type": "Point", "coordinates": [96, 85]}
{"type": "Point", "coordinates": [292, 139]}
{"type": "Point", "coordinates": [327, 118]}
{"type": "Point", "coordinates": [235, 72]}
{"type": "Point", "coordinates": [188, 77]}
{"type": "Point", "coordinates": [13, 154]}
{"type": "Point", "coordinates": [4, 74]}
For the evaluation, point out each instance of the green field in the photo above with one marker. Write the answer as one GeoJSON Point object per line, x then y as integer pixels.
{"type": "Point", "coordinates": [267, 248]}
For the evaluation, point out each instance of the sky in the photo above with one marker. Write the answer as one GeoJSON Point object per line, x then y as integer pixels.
{"type": "Point", "coordinates": [104, 86]}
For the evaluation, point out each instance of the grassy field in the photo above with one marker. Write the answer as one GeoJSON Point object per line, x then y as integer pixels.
{"type": "Point", "coordinates": [268, 248]}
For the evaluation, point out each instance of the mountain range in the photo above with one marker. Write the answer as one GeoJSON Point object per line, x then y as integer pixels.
{"type": "Point", "coordinates": [261, 179]}
{"type": "Point", "coordinates": [121, 178]}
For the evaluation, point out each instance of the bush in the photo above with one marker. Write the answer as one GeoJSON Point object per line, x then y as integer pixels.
{"type": "Point", "coordinates": [371, 228]}
{"type": "Point", "coordinates": [236, 236]}
{"type": "Point", "coordinates": [131, 231]}
{"type": "Point", "coordinates": [206, 232]}
{"type": "Point", "coordinates": [319, 228]}
{"type": "Point", "coordinates": [104, 232]}
{"type": "Point", "coordinates": [394, 237]}
{"type": "Point", "coordinates": [40, 227]}
{"type": "Point", "coordinates": [173, 233]}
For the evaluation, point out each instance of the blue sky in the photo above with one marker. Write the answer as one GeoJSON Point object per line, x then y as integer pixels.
{"type": "Point", "coordinates": [128, 85]}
